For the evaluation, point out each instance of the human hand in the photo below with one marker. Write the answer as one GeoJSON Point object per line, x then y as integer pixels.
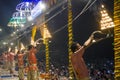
{"type": "Point", "coordinates": [98, 35]}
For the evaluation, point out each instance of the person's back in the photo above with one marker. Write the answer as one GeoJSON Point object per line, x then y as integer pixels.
{"type": "Point", "coordinates": [77, 60]}
{"type": "Point", "coordinates": [79, 67]}
{"type": "Point", "coordinates": [20, 59]}
{"type": "Point", "coordinates": [32, 73]}
{"type": "Point", "coordinates": [78, 64]}
{"type": "Point", "coordinates": [32, 58]}
{"type": "Point", "coordinates": [11, 56]}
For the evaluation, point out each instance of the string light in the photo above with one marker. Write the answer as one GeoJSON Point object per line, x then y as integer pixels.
{"type": "Point", "coordinates": [106, 22]}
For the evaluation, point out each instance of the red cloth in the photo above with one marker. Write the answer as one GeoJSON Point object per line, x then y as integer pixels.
{"type": "Point", "coordinates": [11, 56]}
{"type": "Point", "coordinates": [20, 60]}
{"type": "Point", "coordinates": [32, 58]}
{"type": "Point", "coordinates": [5, 57]}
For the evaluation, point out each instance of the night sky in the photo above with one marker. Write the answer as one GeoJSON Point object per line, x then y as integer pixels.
{"type": "Point", "coordinates": [82, 28]}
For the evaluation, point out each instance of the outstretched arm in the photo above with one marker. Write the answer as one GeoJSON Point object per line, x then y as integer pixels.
{"type": "Point", "coordinates": [89, 41]}
{"type": "Point", "coordinates": [92, 37]}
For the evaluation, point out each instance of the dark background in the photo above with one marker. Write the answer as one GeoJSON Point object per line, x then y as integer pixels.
{"type": "Point", "coordinates": [82, 28]}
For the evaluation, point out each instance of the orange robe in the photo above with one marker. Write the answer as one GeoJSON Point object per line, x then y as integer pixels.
{"type": "Point", "coordinates": [32, 61]}
{"type": "Point", "coordinates": [20, 60]}
{"type": "Point", "coordinates": [32, 58]}
{"type": "Point", "coordinates": [32, 73]}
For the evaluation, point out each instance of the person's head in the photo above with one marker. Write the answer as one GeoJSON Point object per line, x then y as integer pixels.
{"type": "Point", "coordinates": [5, 53]}
{"type": "Point", "coordinates": [18, 52]}
{"type": "Point", "coordinates": [22, 51]}
{"type": "Point", "coordinates": [75, 46]}
{"type": "Point", "coordinates": [31, 48]}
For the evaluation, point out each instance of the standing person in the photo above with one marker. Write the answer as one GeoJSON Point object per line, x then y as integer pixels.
{"type": "Point", "coordinates": [32, 64]}
{"type": "Point", "coordinates": [79, 67]}
{"type": "Point", "coordinates": [5, 60]}
{"type": "Point", "coordinates": [20, 57]}
{"type": "Point", "coordinates": [11, 62]}
{"type": "Point", "coordinates": [78, 63]}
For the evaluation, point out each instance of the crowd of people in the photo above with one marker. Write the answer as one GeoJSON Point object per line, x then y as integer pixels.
{"type": "Point", "coordinates": [100, 70]}
{"type": "Point", "coordinates": [11, 60]}
{"type": "Point", "coordinates": [7, 59]}
{"type": "Point", "coordinates": [27, 63]}
{"type": "Point", "coordinates": [103, 70]}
